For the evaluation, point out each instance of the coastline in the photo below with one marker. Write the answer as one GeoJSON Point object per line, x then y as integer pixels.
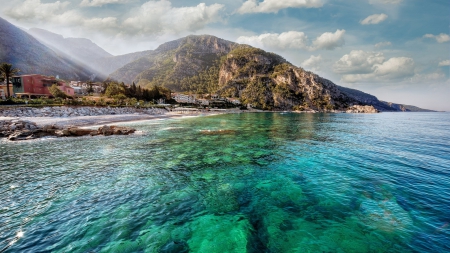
{"type": "Point", "coordinates": [100, 120]}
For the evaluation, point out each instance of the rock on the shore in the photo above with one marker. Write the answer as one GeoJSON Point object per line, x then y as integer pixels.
{"type": "Point", "coordinates": [16, 130]}
{"type": "Point", "coordinates": [115, 130]}
{"type": "Point", "coordinates": [362, 109]}
{"type": "Point", "coordinates": [66, 111]}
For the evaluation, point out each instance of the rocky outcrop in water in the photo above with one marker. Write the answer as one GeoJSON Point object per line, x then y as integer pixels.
{"type": "Point", "coordinates": [17, 130]}
{"type": "Point", "coordinates": [362, 109]}
{"type": "Point", "coordinates": [65, 111]}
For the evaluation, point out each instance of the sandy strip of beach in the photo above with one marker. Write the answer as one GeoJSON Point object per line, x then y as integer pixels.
{"type": "Point", "coordinates": [99, 120]}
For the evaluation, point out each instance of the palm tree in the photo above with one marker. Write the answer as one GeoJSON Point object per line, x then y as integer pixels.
{"type": "Point", "coordinates": [7, 71]}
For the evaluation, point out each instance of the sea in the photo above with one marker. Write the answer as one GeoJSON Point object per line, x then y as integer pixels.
{"type": "Point", "coordinates": [248, 182]}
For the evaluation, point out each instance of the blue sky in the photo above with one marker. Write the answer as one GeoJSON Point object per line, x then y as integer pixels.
{"type": "Point", "coordinates": [397, 50]}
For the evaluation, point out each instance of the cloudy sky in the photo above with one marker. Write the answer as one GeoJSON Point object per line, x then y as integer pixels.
{"type": "Point", "coordinates": [398, 50]}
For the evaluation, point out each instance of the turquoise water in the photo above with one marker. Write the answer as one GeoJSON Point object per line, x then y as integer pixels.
{"type": "Point", "coordinates": [263, 182]}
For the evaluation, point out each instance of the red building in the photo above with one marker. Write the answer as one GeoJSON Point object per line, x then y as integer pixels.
{"type": "Point", "coordinates": [37, 86]}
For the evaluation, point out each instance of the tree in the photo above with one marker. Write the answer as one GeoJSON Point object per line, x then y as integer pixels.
{"type": "Point", "coordinates": [90, 88]}
{"type": "Point", "coordinates": [114, 89]}
{"type": "Point", "coordinates": [56, 92]}
{"type": "Point", "coordinates": [7, 71]}
{"type": "Point", "coordinates": [133, 90]}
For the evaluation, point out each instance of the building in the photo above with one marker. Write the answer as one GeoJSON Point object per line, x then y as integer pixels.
{"type": "Point", "coordinates": [78, 90]}
{"type": "Point", "coordinates": [37, 86]}
{"type": "Point", "coordinates": [234, 101]}
{"type": "Point", "coordinates": [182, 98]}
{"type": "Point", "coordinates": [203, 101]}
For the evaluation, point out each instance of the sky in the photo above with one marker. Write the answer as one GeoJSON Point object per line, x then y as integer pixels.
{"type": "Point", "coordinates": [397, 50]}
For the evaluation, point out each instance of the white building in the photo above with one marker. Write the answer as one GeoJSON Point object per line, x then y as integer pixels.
{"type": "Point", "coordinates": [234, 101]}
{"type": "Point", "coordinates": [182, 98]}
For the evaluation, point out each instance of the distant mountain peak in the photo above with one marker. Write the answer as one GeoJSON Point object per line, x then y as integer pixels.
{"type": "Point", "coordinates": [32, 57]}
{"type": "Point", "coordinates": [79, 49]}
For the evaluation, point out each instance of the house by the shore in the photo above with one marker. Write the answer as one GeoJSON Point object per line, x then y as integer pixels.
{"type": "Point", "coordinates": [34, 86]}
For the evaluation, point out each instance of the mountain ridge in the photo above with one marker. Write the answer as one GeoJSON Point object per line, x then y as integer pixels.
{"type": "Point", "coordinates": [208, 64]}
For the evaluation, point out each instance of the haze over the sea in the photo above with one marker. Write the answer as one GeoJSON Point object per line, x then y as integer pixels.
{"type": "Point", "coordinates": [397, 50]}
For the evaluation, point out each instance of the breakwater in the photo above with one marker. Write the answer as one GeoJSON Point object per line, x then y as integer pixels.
{"type": "Point", "coordinates": [67, 111]}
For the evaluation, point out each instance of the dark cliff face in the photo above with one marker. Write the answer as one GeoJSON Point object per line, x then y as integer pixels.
{"type": "Point", "coordinates": [31, 57]}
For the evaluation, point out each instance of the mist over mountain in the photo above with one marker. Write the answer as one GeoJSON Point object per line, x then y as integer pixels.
{"type": "Point", "coordinates": [32, 57]}
{"type": "Point", "coordinates": [78, 49]}
{"type": "Point", "coordinates": [85, 52]}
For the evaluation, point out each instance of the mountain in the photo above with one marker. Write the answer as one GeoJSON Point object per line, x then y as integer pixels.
{"type": "Point", "coordinates": [85, 52]}
{"type": "Point", "coordinates": [207, 64]}
{"type": "Point", "coordinates": [173, 63]}
{"type": "Point", "coordinates": [77, 49]}
{"type": "Point", "coordinates": [107, 65]}
{"type": "Point", "coordinates": [378, 104]}
{"type": "Point", "coordinates": [32, 57]}
{"type": "Point", "coordinates": [406, 108]}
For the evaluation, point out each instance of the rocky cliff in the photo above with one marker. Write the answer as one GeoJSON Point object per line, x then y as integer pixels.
{"type": "Point", "coordinates": [267, 81]}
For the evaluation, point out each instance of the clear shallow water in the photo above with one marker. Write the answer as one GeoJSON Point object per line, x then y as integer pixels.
{"type": "Point", "coordinates": [274, 183]}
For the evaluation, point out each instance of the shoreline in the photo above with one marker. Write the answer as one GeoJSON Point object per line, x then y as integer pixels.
{"type": "Point", "coordinates": [100, 120]}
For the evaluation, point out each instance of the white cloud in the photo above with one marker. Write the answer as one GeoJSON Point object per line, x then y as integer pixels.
{"type": "Point", "coordinates": [57, 13]}
{"type": "Point", "coordinates": [441, 38]}
{"type": "Point", "coordinates": [273, 6]}
{"type": "Point", "coordinates": [383, 44]}
{"type": "Point", "coordinates": [312, 63]}
{"type": "Point", "coordinates": [358, 62]}
{"type": "Point", "coordinates": [34, 9]}
{"type": "Point", "coordinates": [395, 68]}
{"type": "Point", "coordinates": [444, 63]}
{"type": "Point", "coordinates": [329, 40]}
{"type": "Point", "coordinates": [385, 1]}
{"type": "Point", "coordinates": [154, 17]}
{"type": "Point", "coordinates": [295, 40]}
{"type": "Point", "coordinates": [434, 77]}
{"type": "Point", "coordinates": [374, 19]}
{"type": "Point", "coordinates": [361, 66]}
{"type": "Point", "coordinates": [102, 2]}
{"type": "Point", "coordinates": [286, 40]}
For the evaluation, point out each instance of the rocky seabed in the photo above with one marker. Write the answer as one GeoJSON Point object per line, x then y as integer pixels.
{"type": "Point", "coordinates": [65, 111]}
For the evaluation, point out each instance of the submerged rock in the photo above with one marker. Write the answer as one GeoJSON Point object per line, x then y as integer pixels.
{"type": "Point", "coordinates": [226, 234]}
{"type": "Point", "coordinates": [221, 131]}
